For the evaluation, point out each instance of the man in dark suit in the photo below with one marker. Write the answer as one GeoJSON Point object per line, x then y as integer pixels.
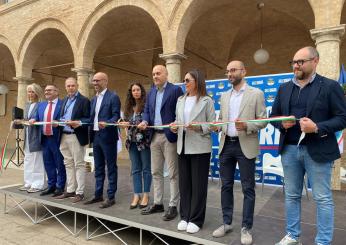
{"type": "Point", "coordinates": [160, 109]}
{"type": "Point", "coordinates": [49, 111]}
{"type": "Point", "coordinates": [308, 145]}
{"type": "Point", "coordinates": [105, 108]}
{"type": "Point", "coordinates": [75, 110]}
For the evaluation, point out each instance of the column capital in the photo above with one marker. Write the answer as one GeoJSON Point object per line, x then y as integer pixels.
{"type": "Point", "coordinates": [327, 34]}
{"type": "Point", "coordinates": [173, 57]}
{"type": "Point", "coordinates": [23, 80]}
{"type": "Point", "coordinates": [83, 70]}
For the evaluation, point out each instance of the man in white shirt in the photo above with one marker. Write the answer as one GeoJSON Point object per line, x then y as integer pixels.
{"type": "Point", "coordinates": [239, 144]}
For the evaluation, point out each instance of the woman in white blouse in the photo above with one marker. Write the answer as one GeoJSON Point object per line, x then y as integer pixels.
{"type": "Point", "coordinates": [34, 175]}
{"type": "Point", "coordinates": [194, 150]}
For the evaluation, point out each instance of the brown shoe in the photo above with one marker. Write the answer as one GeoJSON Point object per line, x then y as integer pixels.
{"type": "Point", "coordinates": [107, 203]}
{"type": "Point", "coordinates": [94, 200]}
{"type": "Point", "coordinates": [78, 198]}
{"type": "Point", "coordinates": [65, 195]}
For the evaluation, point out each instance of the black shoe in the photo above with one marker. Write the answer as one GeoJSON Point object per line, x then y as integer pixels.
{"type": "Point", "coordinates": [94, 200]}
{"type": "Point", "coordinates": [171, 213]}
{"type": "Point", "coordinates": [156, 208]}
{"type": "Point", "coordinates": [58, 192]}
{"type": "Point", "coordinates": [107, 203]}
{"type": "Point", "coordinates": [47, 191]}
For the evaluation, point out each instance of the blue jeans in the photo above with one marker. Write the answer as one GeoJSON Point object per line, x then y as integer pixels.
{"type": "Point", "coordinates": [296, 161]}
{"type": "Point", "coordinates": [141, 169]}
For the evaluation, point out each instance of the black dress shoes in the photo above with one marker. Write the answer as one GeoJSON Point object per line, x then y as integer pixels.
{"type": "Point", "coordinates": [94, 200]}
{"type": "Point", "coordinates": [58, 192]}
{"type": "Point", "coordinates": [107, 203]}
{"type": "Point", "coordinates": [47, 191]}
{"type": "Point", "coordinates": [171, 213]}
{"type": "Point", "coordinates": [156, 208]}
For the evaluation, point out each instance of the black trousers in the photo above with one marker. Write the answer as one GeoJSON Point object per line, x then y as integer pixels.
{"type": "Point", "coordinates": [230, 155]}
{"type": "Point", "coordinates": [193, 185]}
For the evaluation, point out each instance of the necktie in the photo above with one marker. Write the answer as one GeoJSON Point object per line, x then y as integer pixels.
{"type": "Point", "coordinates": [48, 130]}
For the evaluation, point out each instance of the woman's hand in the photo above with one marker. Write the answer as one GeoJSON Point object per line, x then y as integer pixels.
{"type": "Point", "coordinates": [173, 127]}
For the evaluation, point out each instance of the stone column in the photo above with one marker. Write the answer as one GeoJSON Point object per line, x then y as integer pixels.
{"type": "Point", "coordinates": [23, 82]}
{"type": "Point", "coordinates": [327, 42]}
{"type": "Point", "coordinates": [328, 45]}
{"type": "Point", "coordinates": [173, 64]}
{"type": "Point", "coordinates": [83, 78]}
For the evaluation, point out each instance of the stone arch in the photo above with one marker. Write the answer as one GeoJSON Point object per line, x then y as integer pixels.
{"type": "Point", "coordinates": [27, 56]}
{"type": "Point", "coordinates": [6, 43]}
{"type": "Point", "coordinates": [87, 41]}
{"type": "Point", "coordinates": [185, 13]}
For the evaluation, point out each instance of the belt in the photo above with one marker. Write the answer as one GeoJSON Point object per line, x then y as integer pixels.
{"type": "Point", "coordinates": [159, 131]}
{"type": "Point", "coordinates": [232, 139]}
{"type": "Point", "coordinates": [68, 132]}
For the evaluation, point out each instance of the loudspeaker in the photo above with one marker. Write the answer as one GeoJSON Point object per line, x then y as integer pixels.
{"type": "Point", "coordinates": [17, 113]}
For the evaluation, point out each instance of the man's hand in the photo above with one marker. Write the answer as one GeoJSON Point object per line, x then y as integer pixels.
{"type": "Point", "coordinates": [173, 127]}
{"type": "Point", "coordinates": [196, 128]}
{"type": "Point", "coordinates": [307, 125]}
{"type": "Point", "coordinates": [73, 124]}
{"type": "Point", "coordinates": [288, 124]}
{"type": "Point", "coordinates": [32, 121]}
{"type": "Point", "coordinates": [55, 124]}
{"type": "Point", "coordinates": [102, 125]}
{"type": "Point", "coordinates": [240, 126]}
{"type": "Point", "coordinates": [142, 125]}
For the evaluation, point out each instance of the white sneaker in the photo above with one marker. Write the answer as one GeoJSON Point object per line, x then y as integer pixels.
{"type": "Point", "coordinates": [192, 228]}
{"type": "Point", "coordinates": [222, 230]}
{"type": "Point", "coordinates": [288, 240]}
{"type": "Point", "coordinates": [245, 236]}
{"type": "Point", "coordinates": [182, 225]}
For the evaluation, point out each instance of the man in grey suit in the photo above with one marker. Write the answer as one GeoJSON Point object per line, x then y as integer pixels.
{"type": "Point", "coordinates": [239, 144]}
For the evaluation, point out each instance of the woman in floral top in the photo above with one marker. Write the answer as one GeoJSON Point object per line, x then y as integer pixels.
{"type": "Point", "coordinates": [137, 143]}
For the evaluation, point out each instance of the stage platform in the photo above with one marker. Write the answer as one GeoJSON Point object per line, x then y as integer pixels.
{"type": "Point", "coordinates": [268, 227]}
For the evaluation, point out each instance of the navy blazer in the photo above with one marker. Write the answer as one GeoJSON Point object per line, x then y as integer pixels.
{"type": "Point", "coordinates": [80, 112]}
{"type": "Point", "coordinates": [326, 107]}
{"type": "Point", "coordinates": [169, 102]}
{"type": "Point", "coordinates": [110, 113]}
{"type": "Point", "coordinates": [56, 117]}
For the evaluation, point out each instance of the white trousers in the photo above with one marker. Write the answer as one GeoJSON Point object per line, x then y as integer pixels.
{"type": "Point", "coordinates": [34, 174]}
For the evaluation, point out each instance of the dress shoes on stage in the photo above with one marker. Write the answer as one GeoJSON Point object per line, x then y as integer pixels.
{"type": "Point", "coordinates": [65, 195]}
{"type": "Point", "coordinates": [170, 214]}
{"type": "Point", "coordinates": [156, 208]}
{"type": "Point", "coordinates": [94, 200]}
{"type": "Point", "coordinates": [58, 192]}
{"type": "Point", "coordinates": [47, 192]}
{"type": "Point", "coordinates": [107, 203]}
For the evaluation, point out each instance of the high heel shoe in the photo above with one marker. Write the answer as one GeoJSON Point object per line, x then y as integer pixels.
{"type": "Point", "coordinates": [135, 205]}
{"type": "Point", "coordinates": [141, 206]}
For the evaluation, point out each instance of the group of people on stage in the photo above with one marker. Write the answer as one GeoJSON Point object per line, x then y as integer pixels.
{"type": "Point", "coordinates": [307, 144]}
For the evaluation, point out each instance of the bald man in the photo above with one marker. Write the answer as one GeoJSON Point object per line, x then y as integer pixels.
{"type": "Point", "coordinates": [319, 104]}
{"type": "Point", "coordinates": [239, 144]}
{"type": "Point", "coordinates": [160, 109]}
{"type": "Point", "coordinates": [74, 137]}
{"type": "Point", "coordinates": [105, 108]}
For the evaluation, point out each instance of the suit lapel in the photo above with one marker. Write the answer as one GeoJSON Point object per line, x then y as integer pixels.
{"type": "Point", "coordinates": [197, 109]}
{"type": "Point", "coordinates": [286, 99]}
{"type": "Point", "coordinates": [57, 110]}
{"type": "Point", "coordinates": [165, 94]}
{"type": "Point", "coordinates": [315, 89]}
{"type": "Point", "coordinates": [105, 98]}
{"type": "Point", "coordinates": [245, 99]}
{"type": "Point", "coordinates": [225, 108]}
{"type": "Point", "coordinates": [76, 104]}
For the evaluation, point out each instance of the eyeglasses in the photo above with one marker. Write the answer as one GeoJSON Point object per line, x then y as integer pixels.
{"type": "Point", "coordinates": [186, 80]}
{"type": "Point", "coordinates": [233, 70]}
{"type": "Point", "coordinates": [300, 62]}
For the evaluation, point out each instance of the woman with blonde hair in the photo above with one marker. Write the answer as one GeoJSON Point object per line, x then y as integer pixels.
{"type": "Point", "coordinates": [34, 175]}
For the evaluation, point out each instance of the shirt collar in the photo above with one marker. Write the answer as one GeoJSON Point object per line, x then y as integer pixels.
{"type": "Point", "coordinates": [295, 81]}
{"type": "Point", "coordinates": [241, 90]}
{"type": "Point", "coordinates": [54, 101]}
{"type": "Point", "coordinates": [163, 87]}
{"type": "Point", "coordinates": [102, 93]}
{"type": "Point", "coordinates": [73, 96]}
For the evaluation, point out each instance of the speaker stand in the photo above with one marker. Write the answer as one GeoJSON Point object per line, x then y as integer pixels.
{"type": "Point", "coordinates": [17, 152]}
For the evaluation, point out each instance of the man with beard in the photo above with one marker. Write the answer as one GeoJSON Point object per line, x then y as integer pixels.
{"type": "Point", "coordinates": [105, 108]}
{"type": "Point", "coordinates": [239, 144]}
{"type": "Point", "coordinates": [319, 105]}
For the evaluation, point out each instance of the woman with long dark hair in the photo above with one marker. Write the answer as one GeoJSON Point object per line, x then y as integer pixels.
{"type": "Point", "coordinates": [194, 150]}
{"type": "Point", "coordinates": [138, 145]}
